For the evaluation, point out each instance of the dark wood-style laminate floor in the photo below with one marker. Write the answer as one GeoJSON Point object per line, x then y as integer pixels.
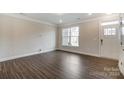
{"type": "Point", "coordinates": [59, 65]}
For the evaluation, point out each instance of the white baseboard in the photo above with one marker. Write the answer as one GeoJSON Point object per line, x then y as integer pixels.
{"type": "Point", "coordinates": [34, 53]}
{"type": "Point", "coordinates": [24, 55]}
{"type": "Point", "coordinates": [84, 53]}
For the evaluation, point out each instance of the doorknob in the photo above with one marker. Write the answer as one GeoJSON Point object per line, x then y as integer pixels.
{"type": "Point", "coordinates": [101, 41]}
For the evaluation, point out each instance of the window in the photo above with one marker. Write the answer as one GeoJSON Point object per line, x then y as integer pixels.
{"type": "Point", "coordinates": [110, 23]}
{"type": "Point", "coordinates": [122, 30]}
{"type": "Point", "coordinates": [70, 36]}
{"type": "Point", "coordinates": [109, 31]}
{"type": "Point", "coordinates": [122, 36]}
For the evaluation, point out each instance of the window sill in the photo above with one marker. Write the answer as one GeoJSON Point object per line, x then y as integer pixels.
{"type": "Point", "coordinates": [70, 46]}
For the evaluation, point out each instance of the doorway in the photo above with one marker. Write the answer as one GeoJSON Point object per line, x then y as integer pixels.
{"type": "Point", "coordinates": [109, 39]}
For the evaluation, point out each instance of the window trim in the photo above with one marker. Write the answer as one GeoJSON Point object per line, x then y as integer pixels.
{"type": "Point", "coordinates": [69, 45]}
{"type": "Point", "coordinates": [108, 31]}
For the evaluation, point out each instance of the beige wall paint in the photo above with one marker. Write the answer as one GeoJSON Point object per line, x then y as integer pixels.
{"type": "Point", "coordinates": [19, 37]}
{"type": "Point", "coordinates": [88, 40]}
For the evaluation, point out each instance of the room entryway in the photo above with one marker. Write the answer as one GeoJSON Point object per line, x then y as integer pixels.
{"type": "Point", "coordinates": [109, 39]}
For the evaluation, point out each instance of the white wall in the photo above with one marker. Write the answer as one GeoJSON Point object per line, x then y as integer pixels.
{"type": "Point", "coordinates": [20, 37]}
{"type": "Point", "coordinates": [88, 39]}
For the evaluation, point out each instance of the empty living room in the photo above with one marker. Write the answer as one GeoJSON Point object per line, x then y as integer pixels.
{"type": "Point", "coordinates": [61, 45]}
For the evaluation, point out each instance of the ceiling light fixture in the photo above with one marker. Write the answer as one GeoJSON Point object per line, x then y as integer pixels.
{"type": "Point", "coordinates": [89, 13]}
{"type": "Point", "coordinates": [60, 21]}
{"type": "Point", "coordinates": [60, 18]}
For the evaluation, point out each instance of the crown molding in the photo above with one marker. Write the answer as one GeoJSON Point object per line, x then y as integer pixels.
{"type": "Point", "coordinates": [17, 15]}
{"type": "Point", "coordinates": [102, 18]}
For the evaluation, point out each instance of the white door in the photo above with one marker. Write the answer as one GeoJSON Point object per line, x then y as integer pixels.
{"type": "Point", "coordinates": [122, 35]}
{"type": "Point", "coordinates": [109, 41]}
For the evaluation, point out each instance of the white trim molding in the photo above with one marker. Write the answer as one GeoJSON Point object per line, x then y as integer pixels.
{"type": "Point", "coordinates": [83, 53]}
{"type": "Point", "coordinates": [25, 55]}
{"type": "Point", "coordinates": [89, 20]}
{"type": "Point", "coordinates": [18, 15]}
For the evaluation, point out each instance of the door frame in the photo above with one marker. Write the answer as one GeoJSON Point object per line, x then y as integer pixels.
{"type": "Point", "coordinates": [106, 19]}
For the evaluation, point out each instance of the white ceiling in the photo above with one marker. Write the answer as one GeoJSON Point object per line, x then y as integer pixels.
{"type": "Point", "coordinates": [54, 18]}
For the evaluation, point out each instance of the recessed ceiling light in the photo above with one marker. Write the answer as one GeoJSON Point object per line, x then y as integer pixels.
{"type": "Point", "coordinates": [89, 13]}
{"type": "Point", "coordinates": [60, 21]}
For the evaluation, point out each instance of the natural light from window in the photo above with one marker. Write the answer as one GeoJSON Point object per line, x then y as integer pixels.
{"type": "Point", "coordinates": [70, 36]}
{"type": "Point", "coordinates": [122, 30]}
{"type": "Point", "coordinates": [109, 31]}
{"type": "Point", "coordinates": [110, 23]}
